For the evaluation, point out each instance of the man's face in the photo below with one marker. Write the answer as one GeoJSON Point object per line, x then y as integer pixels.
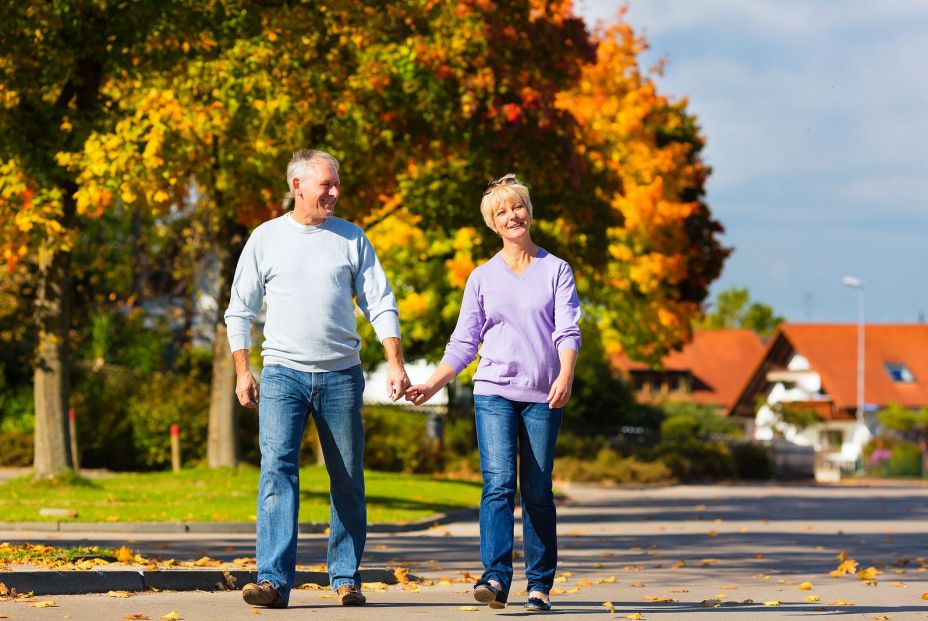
{"type": "Point", "coordinates": [320, 190]}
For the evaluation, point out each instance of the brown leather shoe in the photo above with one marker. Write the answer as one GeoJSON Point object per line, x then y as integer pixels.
{"type": "Point", "coordinates": [351, 595]}
{"type": "Point", "coordinates": [263, 594]}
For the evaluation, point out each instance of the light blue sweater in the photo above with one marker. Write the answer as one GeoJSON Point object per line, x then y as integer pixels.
{"type": "Point", "coordinates": [309, 274]}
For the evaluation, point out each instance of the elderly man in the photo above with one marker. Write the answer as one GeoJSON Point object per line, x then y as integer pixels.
{"type": "Point", "coordinates": [308, 265]}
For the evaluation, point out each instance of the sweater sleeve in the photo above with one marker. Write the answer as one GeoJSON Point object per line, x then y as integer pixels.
{"type": "Point", "coordinates": [246, 297]}
{"type": "Point", "coordinates": [462, 349]}
{"type": "Point", "coordinates": [373, 293]}
{"type": "Point", "coordinates": [566, 311]}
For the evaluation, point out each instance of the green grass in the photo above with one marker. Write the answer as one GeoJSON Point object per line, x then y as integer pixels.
{"type": "Point", "coordinates": [222, 495]}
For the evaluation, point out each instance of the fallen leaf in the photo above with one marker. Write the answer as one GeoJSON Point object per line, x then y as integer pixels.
{"type": "Point", "coordinates": [255, 611]}
{"type": "Point", "coordinates": [711, 561]}
{"type": "Point", "coordinates": [680, 590]}
{"type": "Point", "coordinates": [848, 566]}
{"type": "Point", "coordinates": [328, 595]}
{"type": "Point", "coordinates": [557, 591]}
{"type": "Point", "coordinates": [469, 608]}
{"type": "Point", "coordinates": [897, 584]}
{"type": "Point", "coordinates": [773, 602]}
{"type": "Point", "coordinates": [203, 561]}
{"type": "Point", "coordinates": [609, 580]}
{"type": "Point", "coordinates": [635, 616]}
{"type": "Point", "coordinates": [881, 618]}
{"type": "Point", "coordinates": [924, 595]}
{"type": "Point", "coordinates": [402, 575]}
{"type": "Point", "coordinates": [610, 606]}
{"type": "Point", "coordinates": [136, 615]}
{"type": "Point", "coordinates": [561, 579]}
{"type": "Point", "coordinates": [640, 585]}
{"type": "Point", "coordinates": [805, 586]}
{"type": "Point", "coordinates": [49, 603]}
{"type": "Point", "coordinates": [171, 616]}
{"type": "Point", "coordinates": [840, 602]}
{"type": "Point", "coordinates": [118, 594]}
{"type": "Point", "coordinates": [312, 586]}
{"type": "Point", "coordinates": [730, 587]}
{"type": "Point", "coordinates": [869, 573]}
{"type": "Point", "coordinates": [713, 533]}
{"type": "Point", "coordinates": [3, 590]}
{"type": "Point", "coordinates": [813, 598]}
{"type": "Point", "coordinates": [842, 555]}
{"type": "Point", "coordinates": [658, 598]}
{"type": "Point", "coordinates": [125, 555]}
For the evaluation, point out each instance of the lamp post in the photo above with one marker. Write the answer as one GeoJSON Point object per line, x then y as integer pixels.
{"type": "Point", "coordinates": [856, 283]}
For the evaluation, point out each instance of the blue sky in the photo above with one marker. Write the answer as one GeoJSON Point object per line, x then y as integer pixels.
{"type": "Point", "coordinates": [816, 115]}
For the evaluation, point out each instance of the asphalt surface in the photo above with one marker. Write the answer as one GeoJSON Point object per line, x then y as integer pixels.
{"type": "Point", "coordinates": [685, 552]}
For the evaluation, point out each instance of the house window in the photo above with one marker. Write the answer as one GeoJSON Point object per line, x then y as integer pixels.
{"type": "Point", "coordinates": [831, 438]}
{"type": "Point", "coordinates": [899, 372]}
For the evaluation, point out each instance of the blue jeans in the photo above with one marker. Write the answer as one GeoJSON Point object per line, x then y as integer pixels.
{"type": "Point", "coordinates": [507, 429]}
{"type": "Point", "coordinates": [334, 399]}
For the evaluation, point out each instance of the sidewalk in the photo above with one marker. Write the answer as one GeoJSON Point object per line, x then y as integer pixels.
{"type": "Point", "coordinates": [667, 553]}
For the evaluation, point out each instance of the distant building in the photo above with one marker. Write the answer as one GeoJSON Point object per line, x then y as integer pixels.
{"type": "Point", "coordinates": [812, 368]}
{"type": "Point", "coordinates": [710, 370]}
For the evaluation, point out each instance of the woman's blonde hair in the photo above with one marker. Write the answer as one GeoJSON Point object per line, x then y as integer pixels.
{"type": "Point", "coordinates": [506, 189]}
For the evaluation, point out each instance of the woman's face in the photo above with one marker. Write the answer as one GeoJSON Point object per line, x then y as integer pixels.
{"type": "Point", "coordinates": [512, 220]}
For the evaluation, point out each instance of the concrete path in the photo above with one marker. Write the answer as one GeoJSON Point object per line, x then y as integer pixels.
{"type": "Point", "coordinates": [685, 545]}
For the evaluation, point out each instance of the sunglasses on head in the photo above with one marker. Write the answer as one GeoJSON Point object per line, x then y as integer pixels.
{"type": "Point", "coordinates": [505, 180]}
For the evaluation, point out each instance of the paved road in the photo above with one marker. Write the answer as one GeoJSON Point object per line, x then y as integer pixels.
{"type": "Point", "coordinates": [631, 547]}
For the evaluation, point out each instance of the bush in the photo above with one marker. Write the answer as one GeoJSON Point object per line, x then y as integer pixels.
{"type": "Point", "coordinates": [905, 461]}
{"type": "Point", "coordinates": [16, 449]}
{"type": "Point", "coordinates": [165, 399]}
{"type": "Point", "coordinates": [691, 459]}
{"type": "Point", "coordinates": [753, 461]}
{"type": "Point", "coordinates": [396, 440]}
{"type": "Point", "coordinates": [610, 466]}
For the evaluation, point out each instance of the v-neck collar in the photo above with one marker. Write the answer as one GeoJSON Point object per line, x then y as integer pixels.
{"type": "Point", "coordinates": [540, 254]}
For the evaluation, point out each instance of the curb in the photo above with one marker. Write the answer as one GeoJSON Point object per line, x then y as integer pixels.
{"type": "Point", "coordinates": [79, 582]}
{"type": "Point", "coordinates": [228, 528]}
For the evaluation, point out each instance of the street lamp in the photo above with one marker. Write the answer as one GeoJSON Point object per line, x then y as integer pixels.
{"type": "Point", "coordinates": [856, 283]}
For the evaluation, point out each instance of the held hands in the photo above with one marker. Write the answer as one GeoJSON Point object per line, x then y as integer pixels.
{"type": "Point", "coordinates": [559, 394]}
{"type": "Point", "coordinates": [420, 393]}
{"type": "Point", "coordinates": [246, 389]}
{"type": "Point", "coordinates": [397, 381]}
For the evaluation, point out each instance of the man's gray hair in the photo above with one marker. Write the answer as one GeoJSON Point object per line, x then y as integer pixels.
{"type": "Point", "coordinates": [303, 160]}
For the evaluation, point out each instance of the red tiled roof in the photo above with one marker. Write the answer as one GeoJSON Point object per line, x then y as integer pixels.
{"type": "Point", "coordinates": [720, 359]}
{"type": "Point", "coordinates": [831, 350]}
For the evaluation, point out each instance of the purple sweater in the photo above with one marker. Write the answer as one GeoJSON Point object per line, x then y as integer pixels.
{"type": "Point", "coordinates": [522, 321]}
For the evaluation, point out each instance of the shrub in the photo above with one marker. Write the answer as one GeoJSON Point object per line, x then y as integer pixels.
{"type": "Point", "coordinates": [396, 441]}
{"type": "Point", "coordinates": [753, 460]}
{"type": "Point", "coordinates": [164, 399]}
{"type": "Point", "coordinates": [691, 459]}
{"type": "Point", "coordinates": [16, 449]}
{"type": "Point", "coordinates": [612, 467]}
{"type": "Point", "coordinates": [905, 461]}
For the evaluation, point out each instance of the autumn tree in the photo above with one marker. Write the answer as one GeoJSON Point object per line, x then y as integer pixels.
{"type": "Point", "coordinates": [55, 59]}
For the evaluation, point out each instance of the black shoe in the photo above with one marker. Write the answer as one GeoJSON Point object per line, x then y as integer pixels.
{"type": "Point", "coordinates": [536, 604]}
{"type": "Point", "coordinates": [486, 593]}
{"type": "Point", "coordinates": [263, 594]}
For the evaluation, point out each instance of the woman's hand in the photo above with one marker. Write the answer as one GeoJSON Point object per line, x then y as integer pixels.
{"type": "Point", "coordinates": [420, 393]}
{"type": "Point", "coordinates": [559, 394]}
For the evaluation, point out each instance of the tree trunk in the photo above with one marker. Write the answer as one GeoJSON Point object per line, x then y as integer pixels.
{"type": "Point", "coordinates": [51, 384]}
{"type": "Point", "coordinates": [222, 447]}
{"type": "Point", "coordinates": [222, 443]}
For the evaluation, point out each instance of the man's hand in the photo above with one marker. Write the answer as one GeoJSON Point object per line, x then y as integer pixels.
{"type": "Point", "coordinates": [246, 389]}
{"type": "Point", "coordinates": [397, 381]}
{"type": "Point", "coordinates": [559, 394]}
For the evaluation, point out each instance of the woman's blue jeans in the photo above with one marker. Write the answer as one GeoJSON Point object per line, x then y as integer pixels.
{"type": "Point", "coordinates": [507, 429]}
{"type": "Point", "coordinates": [287, 397]}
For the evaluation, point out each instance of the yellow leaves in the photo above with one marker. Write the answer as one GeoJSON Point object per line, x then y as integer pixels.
{"type": "Point", "coordinates": [49, 603]}
{"type": "Point", "coordinates": [805, 586]}
{"type": "Point", "coordinates": [773, 602]}
{"type": "Point", "coordinates": [171, 616]}
{"type": "Point", "coordinates": [402, 575]}
{"type": "Point", "coordinates": [813, 598]}
{"type": "Point", "coordinates": [848, 566]}
{"type": "Point", "coordinates": [658, 598]}
{"type": "Point", "coordinates": [634, 616]}
{"type": "Point", "coordinates": [610, 606]}
{"type": "Point", "coordinates": [119, 594]}
{"type": "Point", "coordinates": [869, 573]}
{"type": "Point", "coordinates": [137, 616]}
{"type": "Point", "coordinates": [469, 609]}
{"type": "Point", "coordinates": [607, 580]}
{"type": "Point", "coordinates": [924, 595]}
{"type": "Point", "coordinates": [124, 555]}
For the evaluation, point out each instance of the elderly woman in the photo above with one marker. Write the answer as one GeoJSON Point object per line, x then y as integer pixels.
{"type": "Point", "coordinates": [522, 306]}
